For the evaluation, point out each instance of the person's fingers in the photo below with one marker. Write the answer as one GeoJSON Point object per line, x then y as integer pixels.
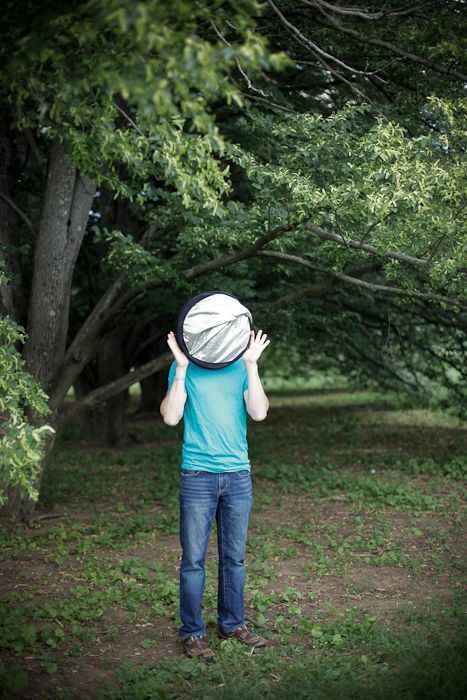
{"type": "Point", "coordinates": [172, 339]}
{"type": "Point", "coordinates": [258, 336]}
{"type": "Point", "coordinates": [172, 343]}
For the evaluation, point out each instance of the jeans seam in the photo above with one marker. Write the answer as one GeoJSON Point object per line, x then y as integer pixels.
{"type": "Point", "coordinates": [223, 555]}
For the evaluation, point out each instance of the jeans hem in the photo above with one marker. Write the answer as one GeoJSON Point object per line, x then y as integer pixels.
{"type": "Point", "coordinates": [232, 630]}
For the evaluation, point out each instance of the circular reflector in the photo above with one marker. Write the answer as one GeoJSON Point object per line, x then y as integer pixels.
{"type": "Point", "coordinates": [213, 329]}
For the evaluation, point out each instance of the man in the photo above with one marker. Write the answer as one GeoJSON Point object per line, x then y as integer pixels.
{"type": "Point", "coordinates": [215, 480]}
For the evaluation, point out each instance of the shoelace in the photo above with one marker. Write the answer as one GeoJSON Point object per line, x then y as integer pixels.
{"type": "Point", "coordinates": [197, 640]}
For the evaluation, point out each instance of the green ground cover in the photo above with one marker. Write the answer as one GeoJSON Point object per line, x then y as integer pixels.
{"type": "Point", "coordinates": [355, 562]}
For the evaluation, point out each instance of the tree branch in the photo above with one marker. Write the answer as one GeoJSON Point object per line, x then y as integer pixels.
{"type": "Point", "coordinates": [350, 243]}
{"type": "Point", "coordinates": [343, 79]}
{"type": "Point", "coordinates": [302, 39]}
{"type": "Point", "coordinates": [305, 290]}
{"type": "Point", "coordinates": [320, 288]}
{"type": "Point", "coordinates": [394, 49]}
{"type": "Point", "coordinates": [386, 367]}
{"type": "Point", "coordinates": [20, 213]}
{"type": "Point", "coordinates": [103, 393]}
{"type": "Point", "coordinates": [240, 255]}
{"type": "Point", "coordinates": [36, 152]}
{"type": "Point", "coordinates": [204, 267]}
{"type": "Point", "coordinates": [275, 105]}
{"type": "Point", "coordinates": [242, 72]}
{"type": "Point", "coordinates": [361, 283]}
{"type": "Point", "coordinates": [84, 345]}
{"type": "Point", "coordinates": [358, 12]}
{"type": "Point", "coordinates": [132, 123]}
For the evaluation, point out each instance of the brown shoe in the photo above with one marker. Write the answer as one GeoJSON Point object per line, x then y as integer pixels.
{"type": "Point", "coordinates": [197, 646]}
{"type": "Point", "coordinates": [244, 636]}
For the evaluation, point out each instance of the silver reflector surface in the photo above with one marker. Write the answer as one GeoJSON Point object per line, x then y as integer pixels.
{"type": "Point", "coordinates": [217, 329]}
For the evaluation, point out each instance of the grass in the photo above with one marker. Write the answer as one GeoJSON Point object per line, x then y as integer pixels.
{"type": "Point", "coordinates": [355, 562]}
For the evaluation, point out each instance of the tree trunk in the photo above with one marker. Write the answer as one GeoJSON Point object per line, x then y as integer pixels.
{"type": "Point", "coordinates": [67, 201]}
{"type": "Point", "coordinates": [105, 424]}
{"type": "Point", "coordinates": [115, 214]}
{"type": "Point", "coordinates": [153, 390]}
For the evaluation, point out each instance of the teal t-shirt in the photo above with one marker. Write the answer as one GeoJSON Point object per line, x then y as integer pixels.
{"type": "Point", "coordinates": [215, 417]}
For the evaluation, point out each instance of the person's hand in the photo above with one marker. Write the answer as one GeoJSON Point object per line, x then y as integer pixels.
{"type": "Point", "coordinates": [180, 358]}
{"type": "Point", "coordinates": [256, 347]}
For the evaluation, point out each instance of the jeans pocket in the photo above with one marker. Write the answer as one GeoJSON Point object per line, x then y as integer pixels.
{"type": "Point", "coordinates": [242, 473]}
{"type": "Point", "coordinates": [190, 472]}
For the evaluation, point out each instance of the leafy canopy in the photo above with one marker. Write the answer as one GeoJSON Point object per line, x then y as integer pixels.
{"type": "Point", "coordinates": [129, 86]}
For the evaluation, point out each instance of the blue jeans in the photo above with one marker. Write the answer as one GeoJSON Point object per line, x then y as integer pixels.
{"type": "Point", "coordinates": [228, 496]}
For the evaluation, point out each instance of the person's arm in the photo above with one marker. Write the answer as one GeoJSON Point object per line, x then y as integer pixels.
{"type": "Point", "coordinates": [257, 403]}
{"type": "Point", "coordinates": [173, 404]}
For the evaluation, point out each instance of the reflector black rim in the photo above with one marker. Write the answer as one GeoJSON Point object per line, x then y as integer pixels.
{"type": "Point", "coordinates": [179, 330]}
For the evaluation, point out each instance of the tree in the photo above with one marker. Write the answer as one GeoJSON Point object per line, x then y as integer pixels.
{"type": "Point", "coordinates": [392, 56]}
{"type": "Point", "coordinates": [211, 169]}
{"type": "Point", "coordinates": [362, 226]}
{"type": "Point", "coordinates": [71, 76]}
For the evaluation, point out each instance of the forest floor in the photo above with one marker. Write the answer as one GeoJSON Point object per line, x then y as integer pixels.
{"type": "Point", "coordinates": [355, 563]}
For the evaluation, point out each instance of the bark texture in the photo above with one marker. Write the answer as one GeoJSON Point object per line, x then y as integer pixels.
{"type": "Point", "coordinates": [67, 201]}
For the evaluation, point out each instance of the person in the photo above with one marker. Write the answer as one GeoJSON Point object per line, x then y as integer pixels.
{"type": "Point", "coordinates": [215, 480]}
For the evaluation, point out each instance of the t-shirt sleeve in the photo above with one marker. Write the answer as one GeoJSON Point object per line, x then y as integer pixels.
{"type": "Point", "coordinates": [171, 376]}
{"type": "Point", "coordinates": [245, 379]}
